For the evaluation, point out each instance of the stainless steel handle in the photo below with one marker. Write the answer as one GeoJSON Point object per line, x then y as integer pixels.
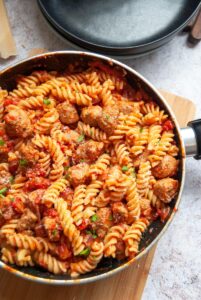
{"type": "Point", "coordinates": [189, 138]}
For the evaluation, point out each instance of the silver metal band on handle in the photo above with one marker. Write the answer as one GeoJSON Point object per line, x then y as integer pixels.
{"type": "Point", "coordinates": [189, 138]}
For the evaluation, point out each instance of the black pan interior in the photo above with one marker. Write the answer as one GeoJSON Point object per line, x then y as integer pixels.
{"type": "Point", "coordinates": [59, 62]}
{"type": "Point", "coordinates": [118, 25]}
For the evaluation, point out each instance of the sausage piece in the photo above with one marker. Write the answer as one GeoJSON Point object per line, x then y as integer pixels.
{"type": "Point", "coordinates": [78, 174]}
{"type": "Point", "coordinates": [126, 107]}
{"type": "Point", "coordinates": [166, 189]}
{"type": "Point", "coordinates": [18, 124]}
{"type": "Point", "coordinates": [108, 121]}
{"type": "Point", "coordinates": [27, 221]}
{"type": "Point", "coordinates": [91, 114]}
{"type": "Point", "coordinates": [67, 113]}
{"type": "Point", "coordinates": [89, 151]}
{"type": "Point", "coordinates": [166, 168]}
{"type": "Point", "coordinates": [120, 212]}
{"type": "Point", "coordinates": [5, 177]}
{"type": "Point", "coordinates": [103, 222]}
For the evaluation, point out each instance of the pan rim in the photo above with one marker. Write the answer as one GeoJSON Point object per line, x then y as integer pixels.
{"type": "Point", "coordinates": [70, 282]}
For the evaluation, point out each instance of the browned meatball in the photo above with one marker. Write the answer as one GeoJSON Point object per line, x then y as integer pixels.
{"type": "Point", "coordinates": [126, 107]}
{"type": "Point", "coordinates": [30, 154]}
{"type": "Point", "coordinates": [108, 121]}
{"type": "Point", "coordinates": [78, 174]}
{"type": "Point", "coordinates": [166, 189]}
{"type": "Point", "coordinates": [71, 136]}
{"type": "Point", "coordinates": [166, 168]}
{"type": "Point", "coordinates": [52, 228]}
{"type": "Point", "coordinates": [103, 221]}
{"type": "Point", "coordinates": [27, 221]}
{"type": "Point", "coordinates": [90, 115]}
{"type": "Point", "coordinates": [120, 212]}
{"type": "Point", "coordinates": [18, 124]}
{"type": "Point", "coordinates": [67, 113]}
{"type": "Point", "coordinates": [89, 151]}
{"type": "Point", "coordinates": [5, 176]}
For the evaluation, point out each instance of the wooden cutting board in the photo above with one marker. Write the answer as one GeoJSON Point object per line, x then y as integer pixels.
{"type": "Point", "coordinates": [126, 285]}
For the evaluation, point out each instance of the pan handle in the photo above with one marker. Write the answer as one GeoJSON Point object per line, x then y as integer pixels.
{"type": "Point", "coordinates": [192, 138]}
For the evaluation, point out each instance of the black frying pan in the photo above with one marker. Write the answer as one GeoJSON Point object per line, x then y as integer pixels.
{"type": "Point", "coordinates": [116, 27]}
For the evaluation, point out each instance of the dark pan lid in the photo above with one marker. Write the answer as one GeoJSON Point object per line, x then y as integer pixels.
{"type": "Point", "coordinates": [116, 26]}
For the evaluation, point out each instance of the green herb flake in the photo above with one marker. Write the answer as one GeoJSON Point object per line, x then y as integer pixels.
{"type": "Point", "coordinates": [111, 217]}
{"type": "Point", "coordinates": [80, 138]}
{"type": "Point", "coordinates": [11, 179]}
{"type": "Point", "coordinates": [23, 162]}
{"type": "Point", "coordinates": [124, 168]}
{"type": "Point", "coordinates": [91, 131]}
{"type": "Point", "coordinates": [12, 199]}
{"type": "Point", "coordinates": [141, 129]}
{"type": "Point", "coordinates": [85, 252]}
{"type": "Point", "coordinates": [88, 232]}
{"type": "Point", "coordinates": [94, 218]}
{"type": "Point", "coordinates": [94, 236]}
{"type": "Point", "coordinates": [2, 142]}
{"type": "Point", "coordinates": [82, 160]}
{"type": "Point", "coordinates": [54, 232]}
{"type": "Point", "coordinates": [107, 117]}
{"type": "Point", "coordinates": [3, 190]}
{"type": "Point", "coordinates": [66, 168]}
{"type": "Point", "coordinates": [46, 101]}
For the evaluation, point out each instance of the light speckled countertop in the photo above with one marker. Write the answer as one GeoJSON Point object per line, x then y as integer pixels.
{"type": "Point", "coordinates": [176, 269]}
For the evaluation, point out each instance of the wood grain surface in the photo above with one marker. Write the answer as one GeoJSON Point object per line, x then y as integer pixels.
{"type": "Point", "coordinates": [126, 285]}
{"type": "Point", "coordinates": [7, 43]}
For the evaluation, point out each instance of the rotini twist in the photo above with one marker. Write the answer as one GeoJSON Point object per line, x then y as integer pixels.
{"type": "Point", "coordinates": [143, 177]}
{"type": "Point", "coordinates": [92, 191]}
{"type": "Point", "coordinates": [100, 166]}
{"type": "Point", "coordinates": [92, 132]}
{"type": "Point", "coordinates": [9, 228]}
{"type": "Point", "coordinates": [46, 122]}
{"type": "Point", "coordinates": [90, 263]}
{"type": "Point", "coordinates": [28, 242]}
{"type": "Point", "coordinates": [114, 234]}
{"type": "Point", "coordinates": [53, 192]}
{"type": "Point", "coordinates": [78, 204]}
{"type": "Point", "coordinates": [57, 155]}
{"type": "Point", "coordinates": [133, 201]}
{"type": "Point", "coordinates": [133, 235]}
{"type": "Point", "coordinates": [69, 228]}
{"type": "Point", "coordinates": [50, 263]}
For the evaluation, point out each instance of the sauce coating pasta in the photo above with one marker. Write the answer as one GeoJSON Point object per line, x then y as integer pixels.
{"type": "Point", "coordinates": [86, 164]}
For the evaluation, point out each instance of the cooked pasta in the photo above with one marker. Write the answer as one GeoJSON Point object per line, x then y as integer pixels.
{"type": "Point", "coordinates": [85, 166]}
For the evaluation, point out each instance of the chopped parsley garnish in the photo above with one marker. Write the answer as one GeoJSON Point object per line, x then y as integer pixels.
{"type": "Point", "coordinates": [66, 167]}
{"type": "Point", "coordinates": [2, 142]}
{"type": "Point", "coordinates": [12, 199]}
{"type": "Point", "coordinates": [82, 160]}
{"type": "Point", "coordinates": [107, 117]}
{"type": "Point", "coordinates": [93, 233]}
{"type": "Point", "coordinates": [141, 129]}
{"type": "Point", "coordinates": [23, 162]}
{"type": "Point", "coordinates": [94, 218]}
{"type": "Point", "coordinates": [124, 168]}
{"type": "Point", "coordinates": [54, 232]}
{"type": "Point", "coordinates": [46, 101]}
{"type": "Point", "coordinates": [111, 217]}
{"type": "Point", "coordinates": [80, 138]}
{"type": "Point", "coordinates": [11, 179]}
{"type": "Point", "coordinates": [85, 252]}
{"type": "Point", "coordinates": [91, 131]}
{"type": "Point", "coordinates": [3, 190]}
